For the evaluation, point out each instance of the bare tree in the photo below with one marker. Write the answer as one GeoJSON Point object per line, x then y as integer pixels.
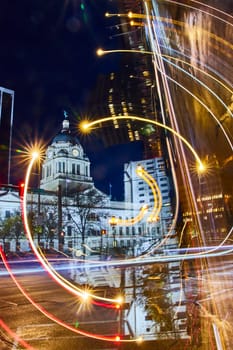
{"type": "Point", "coordinates": [46, 223]}
{"type": "Point", "coordinates": [86, 203]}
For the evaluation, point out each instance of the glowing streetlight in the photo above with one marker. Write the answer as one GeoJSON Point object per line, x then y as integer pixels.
{"type": "Point", "coordinates": [100, 52]}
{"type": "Point", "coordinates": [84, 126]}
{"type": "Point", "coordinates": [85, 296]}
{"type": "Point", "coordinates": [201, 168]}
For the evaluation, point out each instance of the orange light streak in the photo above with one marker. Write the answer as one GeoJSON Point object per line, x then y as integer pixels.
{"type": "Point", "coordinates": [90, 124]}
{"type": "Point", "coordinates": [54, 318]}
{"type": "Point", "coordinates": [155, 190]}
{"type": "Point", "coordinates": [58, 278]}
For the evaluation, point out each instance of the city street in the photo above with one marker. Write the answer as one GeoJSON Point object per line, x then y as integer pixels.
{"type": "Point", "coordinates": [39, 331]}
{"type": "Point", "coordinates": [200, 287]}
{"type": "Point", "coordinates": [116, 167]}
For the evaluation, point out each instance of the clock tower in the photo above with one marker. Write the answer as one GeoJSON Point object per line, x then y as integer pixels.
{"type": "Point", "coordinates": [65, 164]}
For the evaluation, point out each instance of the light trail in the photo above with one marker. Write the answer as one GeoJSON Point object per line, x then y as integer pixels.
{"type": "Point", "coordinates": [56, 319]}
{"type": "Point", "coordinates": [159, 66]}
{"type": "Point", "coordinates": [65, 284]}
{"type": "Point", "coordinates": [203, 11]}
{"type": "Point", "coordinates": [101, 52]}
{"type": "Point", "coordinates": [113, 303]}
{"type": "Point", "coordinates": [88, 124]}
{"type": "Point", "coordinates": [14, 335]}
{"type": "Point", "coordinates": [213, 8]}
{"type": "Point", "coordinates": [156, 193]}
{"type": "Point", "coordinates": [85, 125]}
{"type": "Point", "coordinates": [134, 220]}
{"type": "Point", "coordinates": [202, 103]}
{"type": "Point", "coordinates": [157, 202]}
{"type": "Point", "coordinates": [173, 254]}
{"type": "Point", "coordinates": [166, 20]}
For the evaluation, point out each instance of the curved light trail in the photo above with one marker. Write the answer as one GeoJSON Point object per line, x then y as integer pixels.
{"type": "Point", "coordinates": [101, 52]}
{"type": "Point", "coordinates": [56, 319]}
{"type": "Point", "coordinates": [156, 193]}
{"type": "Point", "coordinates": [199, 252]}
{"type": "Point", "coordinates": [212, 8]}
{"type": "Point", "coordinates": [131, 221]}
{"type": "Point", "coordinates": [158, 66]}
{"type": "Point", "coordinates": [203, 11]}
{"type": "Point", "coordinates": [70, 288]}
{"type": "Point", "coordinates": [13, 335]}
{"type": "Point", "coordinates": [80, 292]}
{"type": "Point", "coordinates": [141, 172]}
{"type": "Point", "coordinates": [85, 125]}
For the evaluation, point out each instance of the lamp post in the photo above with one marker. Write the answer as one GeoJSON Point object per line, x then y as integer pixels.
{"type": "Point", "coordinates": [113, 222]}
{"type": "Point", "coordinates": [59, 225]}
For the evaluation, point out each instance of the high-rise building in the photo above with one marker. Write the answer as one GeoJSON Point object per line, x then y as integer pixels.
{"type": "Point", "coordinates": [6, 130]}
{"type": "Point", "coordinates": [154, 191]}
{"type": "Point", "coordinates": [130, 89]}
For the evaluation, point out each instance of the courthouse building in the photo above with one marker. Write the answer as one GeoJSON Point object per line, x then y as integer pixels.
{"type": "Point", "coordinates": [131, 225]}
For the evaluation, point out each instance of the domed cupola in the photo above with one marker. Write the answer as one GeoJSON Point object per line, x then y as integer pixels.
{"type": "Point", "coordinates": [65, 163]}
{"type": "Point", "coordinates": [65, 134]}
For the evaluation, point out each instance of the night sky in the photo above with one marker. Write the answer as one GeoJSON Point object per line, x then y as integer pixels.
{"type": "Point", "coordinates": [48, 55]}
{"type": "Point", "coordinates": [48, 58]}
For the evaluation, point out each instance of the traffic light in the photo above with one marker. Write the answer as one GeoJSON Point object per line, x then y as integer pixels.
{"type": "Point", "coordinates": [103, 232]}
{"type": "Point", "coordinates": [21, 189]}
{"type": "Point", "coordinates": [62, 237]}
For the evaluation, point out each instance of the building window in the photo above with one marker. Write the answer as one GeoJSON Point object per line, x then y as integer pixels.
{"type": "Point", "coordinates": [7, 214]}
{"type": "Point", "coordinates": [73, 169]}
{"type": "Point", "coordinates": [69, 230]}
{"type": "Point", "coordinates": [162, 179]}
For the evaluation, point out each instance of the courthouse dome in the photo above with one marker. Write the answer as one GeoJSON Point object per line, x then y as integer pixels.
{"type": "Point", "coordinates": [65, 135]}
